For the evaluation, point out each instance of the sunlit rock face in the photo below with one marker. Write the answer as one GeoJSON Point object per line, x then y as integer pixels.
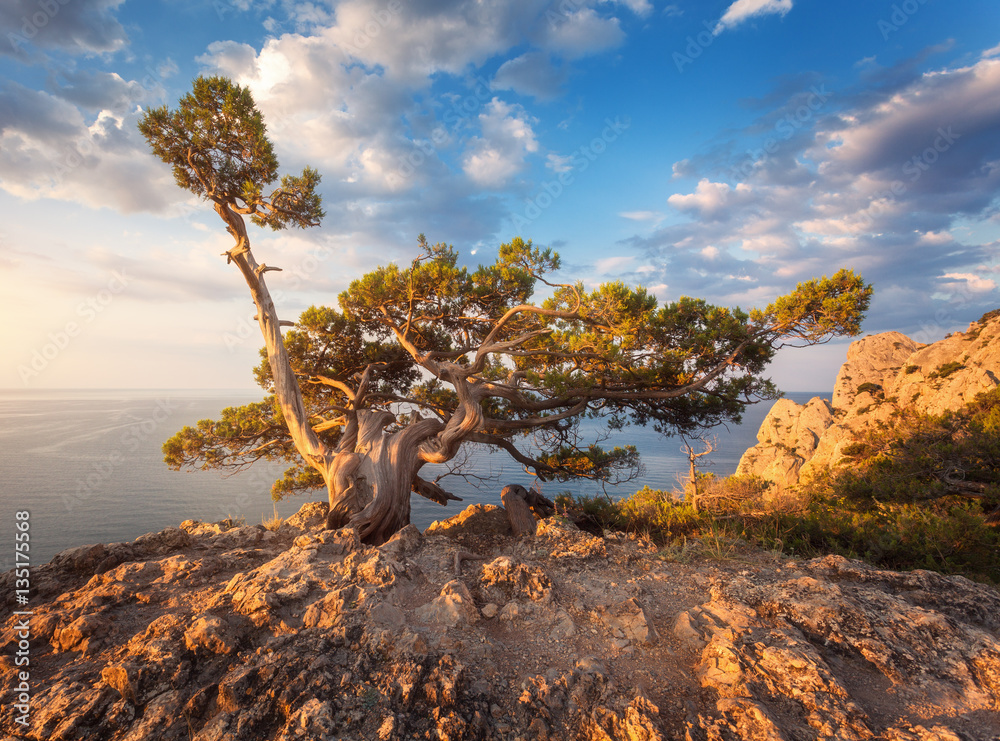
{"type": "Point", "coordinates": [832, 646]}
{"type": "Point", "coordinates": [883, 374]}
{"type": "Point", "coordinates": [216, 631]}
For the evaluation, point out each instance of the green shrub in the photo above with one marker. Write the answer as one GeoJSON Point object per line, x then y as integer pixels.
{"type": "Point", "coordinates": [911, 369]}
{"type": "Point", "coordinates": [895, 506]}
{"type": "Point", "coordinates": [599, 509]}
{"type": "Point", "coordinates": [659, 513]}
{"type": "Point", "coordinates": [949, 538]}
{"type": "Point", "coordinates": [871, 388]}
{"type": "Point", "coordinates": [988, 316]}
{"type": "Point", "coordinates": [651, 512]}
{"type": "Point", "coordinates": [946, 369]}
{"type": "Point", "coordinates": [855, 450]}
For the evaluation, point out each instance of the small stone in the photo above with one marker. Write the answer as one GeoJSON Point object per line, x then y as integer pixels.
{"type": "Point", "coordinates": [510, 611]}
{"type": "Point", "coordinates": [539, 730]}
{"type": "Point", "coordinates": [388, 728]}
{"type": "Point", "coordinates": [454, 606]}
{"type": "Point", "coordinates": [209, 633]}
{"type": "Point", "coordinates": [591, 665]}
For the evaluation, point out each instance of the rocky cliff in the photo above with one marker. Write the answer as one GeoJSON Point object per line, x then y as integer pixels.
{"type": "Point", "coordinates": [883, 373]}
{"type": "Point", "coordinates": [466, 632]}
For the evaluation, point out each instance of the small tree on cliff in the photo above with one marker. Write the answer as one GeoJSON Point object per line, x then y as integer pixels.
{"type": "Point", "coordinates": [418, 361]}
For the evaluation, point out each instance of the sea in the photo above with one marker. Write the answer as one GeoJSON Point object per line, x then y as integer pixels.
{"type": "Point", "coordinates": [87, 467]}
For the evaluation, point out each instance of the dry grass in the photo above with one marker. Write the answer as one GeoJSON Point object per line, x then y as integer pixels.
{"type": "Point", "coordinates": [274, 522]}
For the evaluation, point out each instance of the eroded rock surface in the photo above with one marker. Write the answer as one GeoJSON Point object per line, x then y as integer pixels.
{"type": "Point", "coordinates": [883, 374]}
{"type": "Point", "coordinates": [211, 633]}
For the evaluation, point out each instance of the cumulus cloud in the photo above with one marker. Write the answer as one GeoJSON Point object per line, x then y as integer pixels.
{"type": "Point", "coordinates": [507, 138]}
{"type": "Point", "coordinates": [49, 149]}
{"type": "Point", "coordinates": [581, 33]}
{"type": "Point", "coordinates": [712, 200]}
{"type": "Point", "coordinates": [876, 183]}
{"type": "Point", "coordinates": [972, 282]}
{"type": "Point", "coordinates": [381, 98]}
{"type": "Point", "coordinates": [743, 10]}
{"type": "Point", "coordinates": [350, 92]}
{"type": "Point", "coordinates": [613, 265]}
{"type": "Point", "coordinates": [415, 40]}
{"type": "Point", "coordinates": [641, 8]}
{"type": "Point", "coordinates": [344, 121]}
{"type": "Point", "coordinates": [77, 27]}
{"type": "Point", "coordinates": [96, 90]}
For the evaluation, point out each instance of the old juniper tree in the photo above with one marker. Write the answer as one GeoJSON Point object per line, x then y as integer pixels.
{"type": "Point", "coordinates": [417, 361]}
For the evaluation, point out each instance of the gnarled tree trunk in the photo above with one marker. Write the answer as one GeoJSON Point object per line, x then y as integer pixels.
{"type": "Point", "coordinates": [373, 474]}
{"type": "Point", "coordinates": [370, 475]}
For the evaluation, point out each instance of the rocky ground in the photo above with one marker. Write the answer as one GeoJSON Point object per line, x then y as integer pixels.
{"type": "Point", "coordinates": [208, 633]}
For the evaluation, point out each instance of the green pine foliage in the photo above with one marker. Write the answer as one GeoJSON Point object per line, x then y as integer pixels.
{"type": "Point", "coordinates": [217, 147]}
{"type": "Point", "coordinates": [681, 367]}
{"type": "Point", "coordinates": [406, 342]}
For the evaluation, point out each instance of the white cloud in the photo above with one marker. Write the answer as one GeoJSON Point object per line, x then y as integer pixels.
{"type": "Point", "coordinates": [682, 168]}
{"type": "Point", "coordinates": [98, 90]}
{"type": "Point", "coordinates": [660, 290]}
{"type": "Point", "coordinates": [641, 8]}
{"type": "Point", "coordinates": [559, 163]}
{"type": "Point", "coordinates": [345, 122]}
{"type": "Point", "coordinates": [742, 10]}
{"type": "Point", "coordinates": [641, 215]}
{"type": "Point", "coordinates": [972, 282]}
{"type": "Point", "coordinates": [376, 124]}
{"type": "Point", "coordinates": [413, 46]}
{"type": "Point", "coordinates": [612, 264]}
{"type": "Point", "coordinates": [422, 39]}
{"type": "Point", "coordinates": [994, 52]}
{"type": "Point", "coordinates": [48, 149]}
{"type": "Point", "coordinates": [581, 33]}
{"type": "Point", "coordinates": [711, 200]}
{"type": "Point", "coordinates": [878, 186]}
{"type": "Point", "coordinates": [936, 238]}
{"type": "Point", "coordinates": [499, 154]}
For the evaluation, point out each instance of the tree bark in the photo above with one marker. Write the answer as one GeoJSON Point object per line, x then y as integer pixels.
{"type": "Point", "coordinates": [286, 387]}
{"type": "Point", "coordinates": [370, 476]}
{"type": "Point", "coordinates": [374, 474]}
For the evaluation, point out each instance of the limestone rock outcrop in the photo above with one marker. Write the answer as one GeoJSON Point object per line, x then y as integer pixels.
{"type": "Point", "coordinates": [308, 634]}
{"type": "Point", "coordinates": [883, 374]}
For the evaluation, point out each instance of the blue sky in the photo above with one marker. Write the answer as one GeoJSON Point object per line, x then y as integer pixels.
{"type": "Point", "coordinates": [726, 150]}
